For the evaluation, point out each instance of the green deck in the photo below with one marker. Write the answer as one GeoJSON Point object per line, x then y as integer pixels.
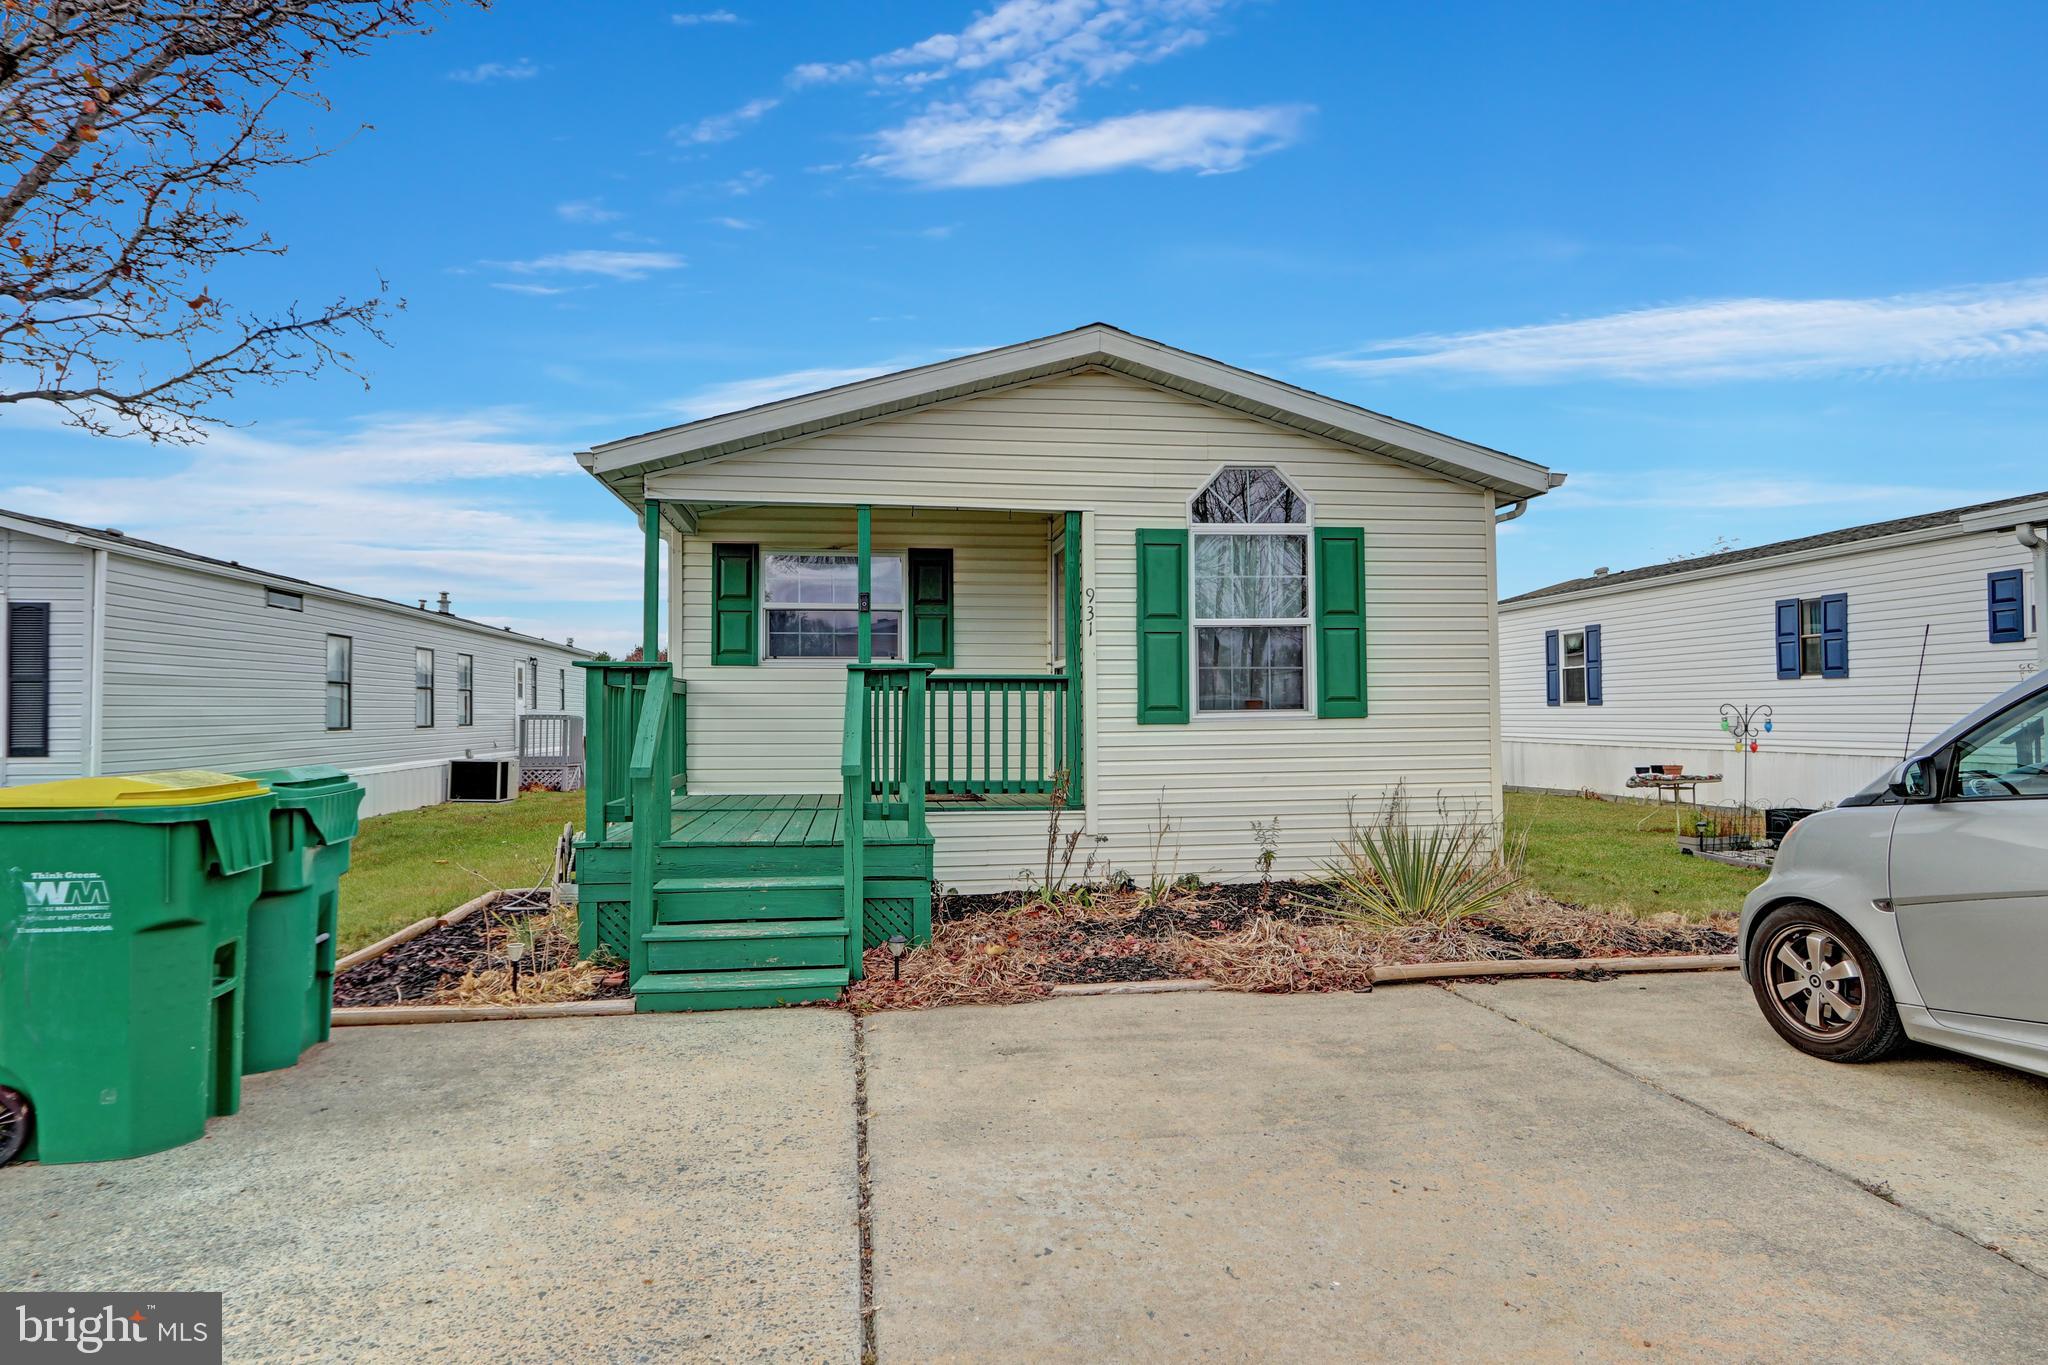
{"type": "Point", "coordinates": [794, 821]}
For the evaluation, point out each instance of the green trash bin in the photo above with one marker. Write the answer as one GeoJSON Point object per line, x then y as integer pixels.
{"type": "Point", "coordinates": [121, 956]}
{"type": "Point", "coordinates": [288, 986]}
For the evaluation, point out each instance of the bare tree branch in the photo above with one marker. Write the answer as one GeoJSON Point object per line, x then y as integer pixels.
{"type": "Point", "coordinates": [134, 131]}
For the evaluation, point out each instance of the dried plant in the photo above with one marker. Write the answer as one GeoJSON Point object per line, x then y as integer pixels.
{"type": "Point", "coordinates": [1267, 837]}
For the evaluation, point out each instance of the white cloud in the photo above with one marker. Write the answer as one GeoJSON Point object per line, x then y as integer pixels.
{"type": "Point", "coordinates": [941, 149]}
{"type": "Point", "coordinates": [616, 265]}
{"type": "Point", "coordinates": [736, 224]}
{"type": "Point", "coordinates": [398, 506]}
{"type": "Point", "coordinates": [715, 16]}
{"type": "Point", "coordinates": [735, 394]}
{"type": "Point", "coordinates": [538, 290]}
{"type": "Point", "coordinates": [587, 211]}
{"type": "Point", "coordinates": [1733, 339]}
{"type": "Point", "coordinates": [724, 127]}
{"type": "Point", "coordinates": [486, 72]}
{"type": "Point", "coordinates": [745, 183]}
{"type": "Point", "coordinates": [1014, 79]}
{"type": "Point", "coordinates": [1754, 490]}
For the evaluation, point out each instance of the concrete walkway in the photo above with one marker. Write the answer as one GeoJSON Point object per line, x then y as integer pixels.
{"type": "Point", "coordinates": [649, 1188]}
{"type": "Point", "coordinates": [1404, 1174]}
{"type": "Point", "coordinates": [1540, 1169]}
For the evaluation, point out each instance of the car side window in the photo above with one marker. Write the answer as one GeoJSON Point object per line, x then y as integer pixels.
{"type": "Point", "coordinates": [2007, 756]}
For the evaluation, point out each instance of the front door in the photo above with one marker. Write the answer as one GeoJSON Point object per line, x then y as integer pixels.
{"type": "Point", "coordinates": [1969, 874]}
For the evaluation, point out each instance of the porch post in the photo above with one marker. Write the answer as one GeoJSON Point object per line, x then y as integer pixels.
{"type": "Point", "coordinates": [650, 586]}
{"type": "Point", "coordinates": [1071, 552]}
{"type": "Point", "coordinates": [864, 521]}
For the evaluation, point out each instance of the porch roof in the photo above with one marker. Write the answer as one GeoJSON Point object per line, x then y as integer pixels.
{"type": "Point", "coordinates": [622, 465]}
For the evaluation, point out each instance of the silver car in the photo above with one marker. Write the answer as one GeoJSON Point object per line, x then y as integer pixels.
{"type": "Point", "coordinates": [1918, 908]}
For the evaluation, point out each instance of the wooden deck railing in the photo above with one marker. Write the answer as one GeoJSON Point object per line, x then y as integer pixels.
{"type": "Point", "coordinates": [998, 733]}
{"type": "Point", "coordinates": [614, 696]}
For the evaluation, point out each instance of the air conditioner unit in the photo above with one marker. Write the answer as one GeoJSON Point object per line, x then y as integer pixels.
{"type": "Point", "coordinates": [483, 779]}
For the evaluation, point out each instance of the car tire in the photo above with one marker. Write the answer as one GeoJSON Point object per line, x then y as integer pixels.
{"type": "Point", "coordinates": [1819, 985]}
{"type": "Point", "coordinates": [16, 1119]}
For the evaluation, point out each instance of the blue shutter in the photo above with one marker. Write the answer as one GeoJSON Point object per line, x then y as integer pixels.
{"type": "Point", "coordinates": [1834, 635]}
{"type": "Point", "coordinates": [1550, 681]}
{"type": "Point", "coordinates": [2007, 595]}
{"type": "Point", "coordinates": [1788, 637]}
{"type": "Point", "coordinates": [1592, 665]}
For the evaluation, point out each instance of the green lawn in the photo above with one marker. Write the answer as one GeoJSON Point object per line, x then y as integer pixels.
{"type": "Point", "coordinates": [416, 863]}
{"type": "Point", "coordinates": [1591, 853]}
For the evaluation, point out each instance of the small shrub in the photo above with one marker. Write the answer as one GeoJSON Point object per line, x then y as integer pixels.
{"type": "Point", "coordinates": [1393, 873]}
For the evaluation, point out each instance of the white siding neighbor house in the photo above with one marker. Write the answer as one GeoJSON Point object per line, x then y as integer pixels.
{"type": "Point", "coordinates": [1861, 642]}
{"type": "Point", "coordinates": [126, 656]}
{"type": "Point", "coordinates": [1202, 597]}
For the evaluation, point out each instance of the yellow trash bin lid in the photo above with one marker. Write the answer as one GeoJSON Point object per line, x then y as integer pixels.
{"type": "Point", "coordinates": [183, 787]}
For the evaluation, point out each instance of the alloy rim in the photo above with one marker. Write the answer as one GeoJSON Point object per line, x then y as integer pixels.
{"type": "Point", "coordinates": [1815, 982]}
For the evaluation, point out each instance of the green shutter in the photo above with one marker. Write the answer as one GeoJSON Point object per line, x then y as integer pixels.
{"type": "Point", "coordinates": [735, 604]}
{"type": "Point", "coordinates": [931, 607]}
{"type": "Point", "coordinates": [1340, 621]}
{"type": "Point", "coordinates": [1163, 627]}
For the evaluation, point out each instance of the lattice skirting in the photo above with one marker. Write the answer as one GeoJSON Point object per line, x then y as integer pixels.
{"type": "Point", "coordinates": [897, 906]}
{"type": "Point", "coordinates": [555, 777]}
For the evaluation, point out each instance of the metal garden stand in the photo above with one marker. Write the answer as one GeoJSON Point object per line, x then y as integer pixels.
{"type": "Point", "coordinates": [1748, 724]}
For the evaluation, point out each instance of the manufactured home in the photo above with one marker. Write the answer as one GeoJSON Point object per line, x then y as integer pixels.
{"type": "Point", "coordinates": [127, 656]}
{"type": "Point", "coordinates": [910, 616]}
{"type": "Point", "coordinates": [1853, 645]}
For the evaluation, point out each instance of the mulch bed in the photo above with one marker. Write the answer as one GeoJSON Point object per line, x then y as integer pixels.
{"type": "Point", "coordinates": [1006, 947]}
{"type": "Point", "coordinates": [415, 970]}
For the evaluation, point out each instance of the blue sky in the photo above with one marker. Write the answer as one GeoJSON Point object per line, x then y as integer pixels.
{"type": "Point", "coordinates": [1743, 271]}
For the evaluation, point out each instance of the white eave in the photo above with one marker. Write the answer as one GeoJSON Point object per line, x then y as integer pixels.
{"type": "Point", "coordinates": [622, 464]}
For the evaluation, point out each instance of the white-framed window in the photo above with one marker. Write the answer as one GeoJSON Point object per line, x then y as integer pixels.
{"type": "Point", "coordinates": [810, 606]}
{"type": "Point", "coordinates": [282, 600]}
{"type": "Point", "coordinates": [423, 688]}
{"type": "Point", "coordinates": [341, 682]}
{"type": "Point", "coordinates": [1571, 663]}
{"type": "Point", "coordinates": [1248, 533]}
{"type": "Point", "coordinates": [465, 689]}
{"type": "Point", "coordinates": [561, 689]}
{"type": "Point", "coordinates": [1812, 638]}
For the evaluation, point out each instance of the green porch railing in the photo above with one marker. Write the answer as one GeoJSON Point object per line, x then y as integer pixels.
{"type": "Point", "coordinates": [998, 733]}
{"type": "Point", "coordinates": [651, 770]}
{"type": "Point", "coordinates": [614, 703]}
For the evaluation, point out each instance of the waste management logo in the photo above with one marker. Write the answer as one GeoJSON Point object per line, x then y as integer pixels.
{"type": "Point", "coordinates": [65, 903]}
{"type": "Point", "coordinates": [171, 1329]}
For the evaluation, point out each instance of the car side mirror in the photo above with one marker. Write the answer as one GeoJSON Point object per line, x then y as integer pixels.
{"type": "Point", "coordinates": [1921, 780]}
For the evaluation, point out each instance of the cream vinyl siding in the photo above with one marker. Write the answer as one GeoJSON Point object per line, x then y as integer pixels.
{"type": "Point", "coordinates": [1129, 455]}
{"type": "Point", "coordinates": [33, 569]}
{"type": "Point", "coordinates": [775, 727]}
{"type": "Point", "coordinates": [1673, 652]}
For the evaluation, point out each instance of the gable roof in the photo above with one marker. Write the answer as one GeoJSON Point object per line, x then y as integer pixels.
{"type": "Point", "coordinates": [622, 464]}
{"type": "Point", "coordinates": [1876, 530]}
{"type": "Point", "coordinates": [119, 542]}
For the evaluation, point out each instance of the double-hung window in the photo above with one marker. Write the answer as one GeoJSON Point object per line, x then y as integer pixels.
{"type": "Point", "coordinates": [1572, 665]}
{"type": "Point", "coordinates": [28, 679]}
{"type": "Point", "coordinates": [1810, 634]}
{"type": "Point", "coordinates": [810, 606]}
{"type": "Point", "coordinates": [465, 693]}
{"type": "Point", "coordinates": [423, 688]}
{"type": "Point", "coordinates": [341, 680]}
{"type": "Point", "coordinates": [1250, 532]}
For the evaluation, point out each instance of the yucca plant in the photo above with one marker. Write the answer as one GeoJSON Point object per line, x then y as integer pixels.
{"type": "Point", "coordinates": [1392, 873]}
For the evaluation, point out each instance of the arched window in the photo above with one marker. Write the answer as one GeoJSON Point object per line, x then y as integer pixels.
{"type": "Point", "coordinates": [1249, 531]}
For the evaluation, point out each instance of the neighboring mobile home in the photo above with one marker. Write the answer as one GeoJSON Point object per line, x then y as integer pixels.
{"type": "Point", "coordinates": [1607, 673]}
{"type": "Point", "coordinates": [1187, 597]}
{"type": "Point", "coordinates": [126, 656]}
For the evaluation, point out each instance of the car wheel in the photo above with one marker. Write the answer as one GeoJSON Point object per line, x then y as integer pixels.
{"type": "Point", "coordinates": [1820, 987]}
{"type": "Point", "coordinates": [15, 1117]}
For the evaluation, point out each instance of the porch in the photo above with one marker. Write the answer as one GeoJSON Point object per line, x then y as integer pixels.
{"type": "Point", "coordinates": [743, 844]}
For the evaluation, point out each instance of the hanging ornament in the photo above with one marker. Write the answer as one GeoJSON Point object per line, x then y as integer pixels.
{"type": "Point", "coordinates": [1752, 746]}
{"type": "Point", "coordinates": [1724, 722]}
{"type": "Point", "coordinates": [1767, 727]}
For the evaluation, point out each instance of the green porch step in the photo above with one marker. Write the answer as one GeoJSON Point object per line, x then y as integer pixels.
{"type": "Point", "coordinates": [662, 991]}
{"type": "Point", "coordinates": [697, 900]}
{"type": "Point", "coordinates": [757, 944]}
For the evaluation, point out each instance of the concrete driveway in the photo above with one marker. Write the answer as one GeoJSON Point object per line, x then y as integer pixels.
{"type": "Point", "coordinates": [1541, 1168]}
